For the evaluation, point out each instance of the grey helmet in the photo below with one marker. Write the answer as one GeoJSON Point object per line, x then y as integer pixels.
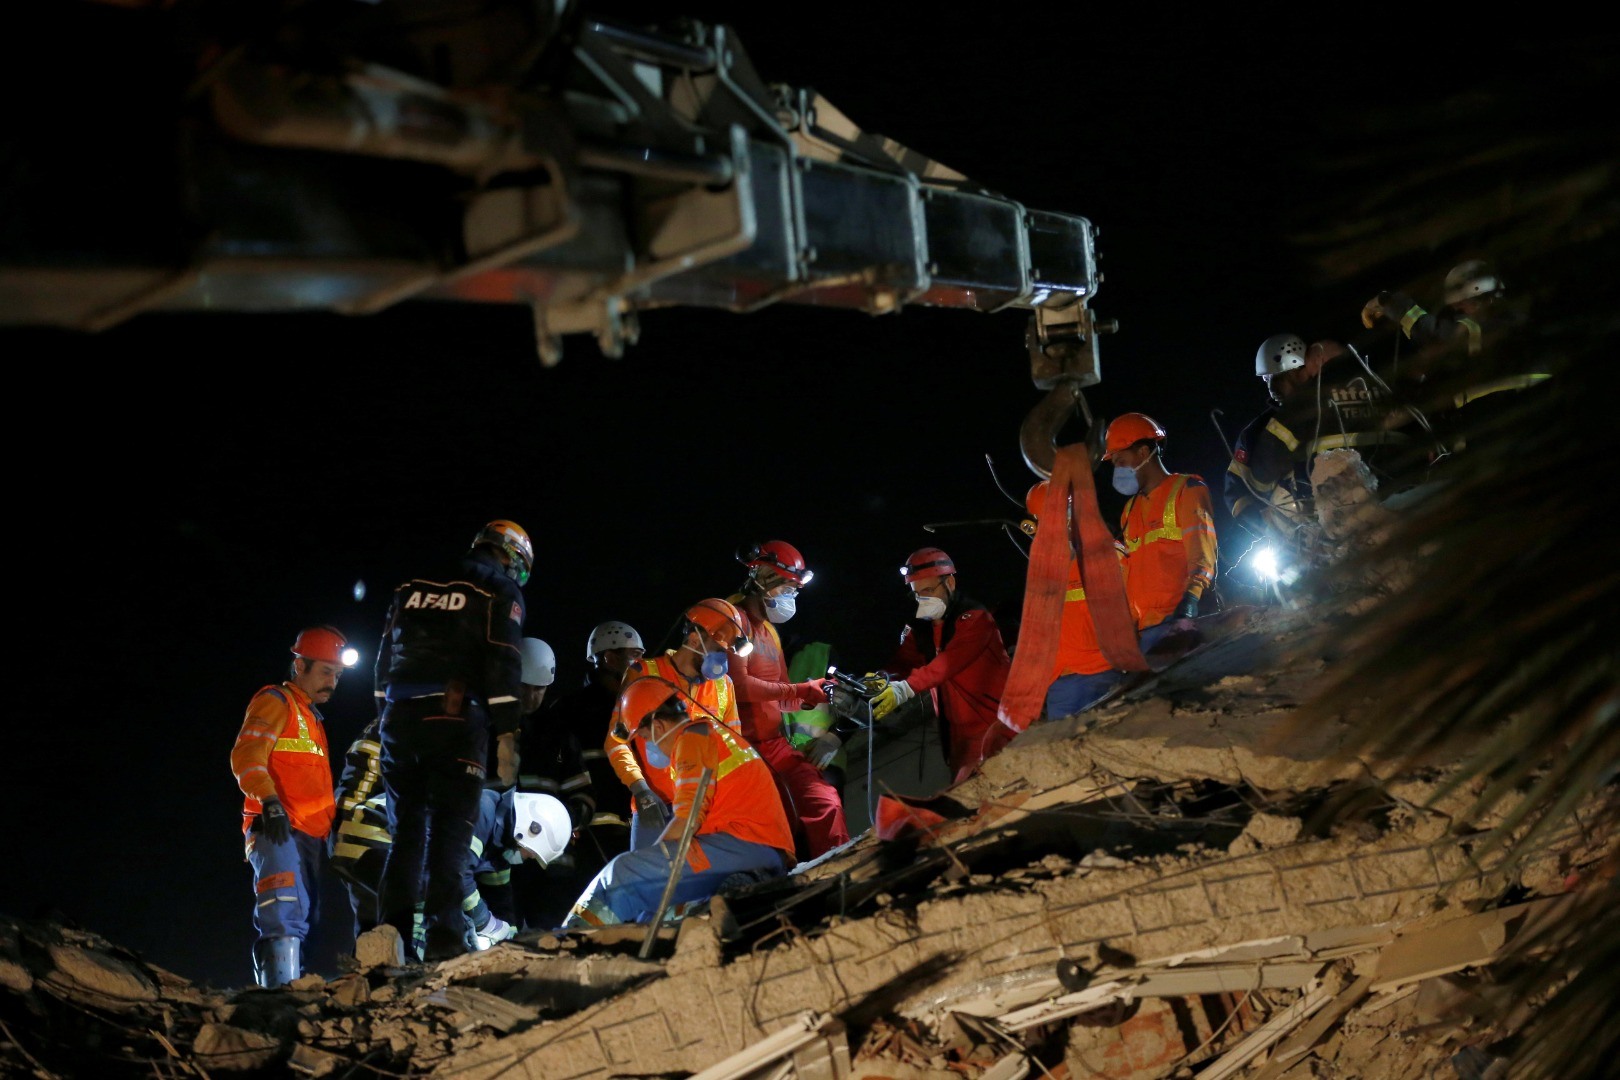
{"type": "Point", "coordinates": [1470, 279]}
{"type": "Point", "coordinates": [539, 662]}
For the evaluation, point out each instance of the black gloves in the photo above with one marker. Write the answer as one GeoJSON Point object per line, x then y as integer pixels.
{"type": "Point", "coordinates": [1188, 608]}
{"type": "Point", "coordinates": [273, 821]}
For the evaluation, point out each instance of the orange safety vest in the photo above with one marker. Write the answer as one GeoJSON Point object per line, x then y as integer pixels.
{"type": "Point", "coordinates": [716, 696]}
{"type": "Point", "coordinates": [1169, 547]}
{"type": "Point", "coordinates": [742, 799]}
{"type": "Point", "coordinates": [296, 763]}
{"type": "Point", "coordinates": [1079, 652]}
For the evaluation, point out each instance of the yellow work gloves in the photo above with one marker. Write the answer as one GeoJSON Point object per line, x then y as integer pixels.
{"type": "Point", "coordinates": [893, 695]}
{"type": "Point", "coordinates": [1371, 312]}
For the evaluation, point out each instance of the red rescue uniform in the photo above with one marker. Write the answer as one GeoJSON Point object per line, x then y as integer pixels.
{"type": "Point", "coordinates": [966, 663]}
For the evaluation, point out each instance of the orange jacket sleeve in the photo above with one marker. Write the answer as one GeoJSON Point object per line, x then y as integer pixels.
{"type": "Point", "coordinates": [250, 756]}
{"type": "Point", "coordinates": [1197, 536]}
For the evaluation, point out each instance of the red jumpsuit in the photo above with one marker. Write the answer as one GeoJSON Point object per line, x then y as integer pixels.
{"type": "Point", "coordinates": [763, 689]}
{"type": "Point", "coordinates": [967, 664]}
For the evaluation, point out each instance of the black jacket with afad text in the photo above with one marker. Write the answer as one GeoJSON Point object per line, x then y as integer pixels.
{"type": "Point", "coordinates": [457, 634]}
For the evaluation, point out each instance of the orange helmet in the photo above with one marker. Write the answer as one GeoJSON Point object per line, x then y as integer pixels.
{"type": "Point", "coordinates": [320, 643]}
{"type": "Point", "coordinates": [721, 620]}
{"type": "Point", "coordinates": [646, 697]}
{"type": "Point", "coordinates": [780, 556]}
{"type": "Point", "coordinates": [508, 536]}
{"type": "Point", "coordinates": [1035, 498]}
{"type": "Point", "coordinates": [1130, 429]}
{"type": "Point", "coordinates": [925, 563]}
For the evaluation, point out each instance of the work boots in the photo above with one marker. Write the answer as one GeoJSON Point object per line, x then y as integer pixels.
{"type": "Point", "coordinates": [275, 961]}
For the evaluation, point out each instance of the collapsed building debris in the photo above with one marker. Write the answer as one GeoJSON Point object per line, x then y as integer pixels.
{"type": "Point", "coordinates": [1127, 893]}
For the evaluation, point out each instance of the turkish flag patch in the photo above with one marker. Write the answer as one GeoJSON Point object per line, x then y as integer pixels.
{"type": "Point", "coordinates": [1241, 456]}
{"type": "Point", "coordinates": [517, 612]}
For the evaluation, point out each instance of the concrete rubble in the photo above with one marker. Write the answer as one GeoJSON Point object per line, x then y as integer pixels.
{"type": "Point", "coordinates": [1141, 891]}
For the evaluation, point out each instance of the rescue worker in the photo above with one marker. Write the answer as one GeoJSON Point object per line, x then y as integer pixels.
{"type": "Point", "coordinates": [510, 826]}
{"type": "Point", "coordinates": [1082, 675]}
{"type": "Point", "coordinates": [1167, 525]}
{"type": "Point", "coordinates": [359, 844]}
{"type": "Point", "coordinates": [1474, 316]}
{"type": "Point", "coordinates": [1267, 487]}
{"type": "Point", "coordinates": [711, 631]}
{"type": "Point", "coordinates": [769, 597]}
{"type": "Point", "coordinates": [280, 763]}
{"type": "Point", "coordinates": [954, 649]}
{"type": "Point", "coordinates": [449, 674]}
{"type": "Point", "coordinates": [611, 649]}
{"type": "Point", "coordinates": [741, 829]}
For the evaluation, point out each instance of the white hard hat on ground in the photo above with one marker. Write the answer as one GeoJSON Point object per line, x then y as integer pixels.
{"type": "Point", "coordinates": [540, 824]}
{"type": "Point", "coordinates": [539, 662]}
{"type": "Point", "coordinates": [612, 635]}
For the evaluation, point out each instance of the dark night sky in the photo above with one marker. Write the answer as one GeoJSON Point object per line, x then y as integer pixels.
{"type": "Point", "coordinates": [197, 488]}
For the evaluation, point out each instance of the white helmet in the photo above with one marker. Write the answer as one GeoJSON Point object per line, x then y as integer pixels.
{"type": "Point", "coordinates": [539, 662]}
{"type": "Point", "coordinates": [540, 824]}
{"type": "Point", "coordinates": [612, 635]}
{"type": "Point", "coordinates": [1279, 353]}
{"type": "Point", "coordinates": [1470, 279]}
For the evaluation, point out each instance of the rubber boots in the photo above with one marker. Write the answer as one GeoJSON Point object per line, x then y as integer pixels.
{"type": "Point", "coordinates": [275, 961]}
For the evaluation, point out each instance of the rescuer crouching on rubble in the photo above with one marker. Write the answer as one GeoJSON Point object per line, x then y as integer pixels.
{"type": "Point", "coordinates": [740, 828]}
{"type": "Point", "coordinates": [281, 765]}
{"type": "Point", "coordinates": [711, 630]}
{"type": "Point", "coordinates": [953, 645]}
{"type": "Point", "coordinates": [776, 573]}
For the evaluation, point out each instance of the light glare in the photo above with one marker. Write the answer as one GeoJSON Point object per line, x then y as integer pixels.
{"type": "Point", "coordinates": [1265, 564]}
{"type": "Point", "coordinates": [351, 657]}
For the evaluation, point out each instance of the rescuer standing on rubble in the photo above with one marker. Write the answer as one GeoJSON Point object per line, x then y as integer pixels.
{"type": "Point", "coordinates": [1475, 314]}
{"type": "Point", "coordinates": [611, 648]}
{"type": "Point", "coordinates": [449, 674]}
{"type": "Point", "coordinates": [952, 646]}
{"type": "Point", "coordinates": [741, 833]}
{"type": "Point", "coordinates": [1082, 674]}
{"type": "Point", "coordinates": [698, 666]}
{"type": "Point", "coordinates": [1267, 486]}
{"type": "Point", "coordinates": [776, 573]}
{"type": "Point", "coordinates": [1168, 528]}
{"type": "Point", "coordinates": [281, 765]}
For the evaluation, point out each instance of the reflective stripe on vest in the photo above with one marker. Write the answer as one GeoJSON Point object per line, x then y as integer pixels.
{"type": "Point", "coordinates": [1409, 320]}
{"type": "Point", "coordinates": [1287, 437]}
{"type": "Point", "coordinates": [1352, 439]}
{"type": "Point", "coordinates": [303, 744]}
{"type": "Point", "coordinates": [1475, 335]}
{"type": "Point", "coordinates": [721, 699]}
{"type": "Point", "coordinates": [1510, 382]}
{"type": "Point", "coordinates": [1168, 529]}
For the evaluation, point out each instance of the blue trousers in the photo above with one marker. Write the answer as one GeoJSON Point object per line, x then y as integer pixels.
{"type": "Point", "coordinates": [629, 887]}
{"type": "Point", "coordinates": [1070, 694]}
{"type": "Point", "coordinates": [286, 884]}
{"type": "Point", "coordinates": [433, 768]}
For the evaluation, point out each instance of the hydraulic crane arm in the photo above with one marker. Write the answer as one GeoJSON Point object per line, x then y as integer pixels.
{"type": "Point", "coordinates": [343, 156]}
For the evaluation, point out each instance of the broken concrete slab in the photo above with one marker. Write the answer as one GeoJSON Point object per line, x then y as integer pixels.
{"type": "Point", "coordinates": [225, 1048]}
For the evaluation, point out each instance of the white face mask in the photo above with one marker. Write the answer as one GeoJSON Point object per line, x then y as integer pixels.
{"type": "Point", "coordinates": [930, 607]}
{"type": "Point", "coordinates": [1126, 481]}
{"type": "Point", "coordinates": [779, 609]}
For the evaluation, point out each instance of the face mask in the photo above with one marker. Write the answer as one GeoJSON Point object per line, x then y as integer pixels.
{"type": "Point", "coordinates": [930, 607]}
{"type": "Point", "coordinates": [713, 665]}
{"type": "Point", "coordinates": [779, 609]}
{"type": "Point", "coordinates": [1125, 481]}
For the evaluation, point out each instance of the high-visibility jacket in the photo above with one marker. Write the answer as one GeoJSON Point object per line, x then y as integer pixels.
{"type": "Point", "coordinates": [804, 726]}
{"type": "Point", "coordinates": [362, 802]}
{"type": "Point", "coordinates": [1078, 650]}
{"type": "Point", "coordinates": [631, 759]}
{"type": "Point", "coordinates": [281, 751]}
{"type": "Point", "coordinates": [1170, 551]}
{"type": "Point", "coordinates": [741, 801]}
{"type": "Point", "coordinates": [761, 679]}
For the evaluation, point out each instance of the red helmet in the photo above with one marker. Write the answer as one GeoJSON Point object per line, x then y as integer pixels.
{"type": "Point", "coordinates": [925, 563]}
{"type": "Point", "coordinates": [780, 556]}
{"type": "Point", "coordinates": [721, 620]}
{"type": "Point", "coordinates": [644, 697]}
{"type": "Point", "coordinates": [508, 536]}
{"type": "Point", "coordinates": [1130, 429]}
{"type": "Point", "coordinates": [320, 643]}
